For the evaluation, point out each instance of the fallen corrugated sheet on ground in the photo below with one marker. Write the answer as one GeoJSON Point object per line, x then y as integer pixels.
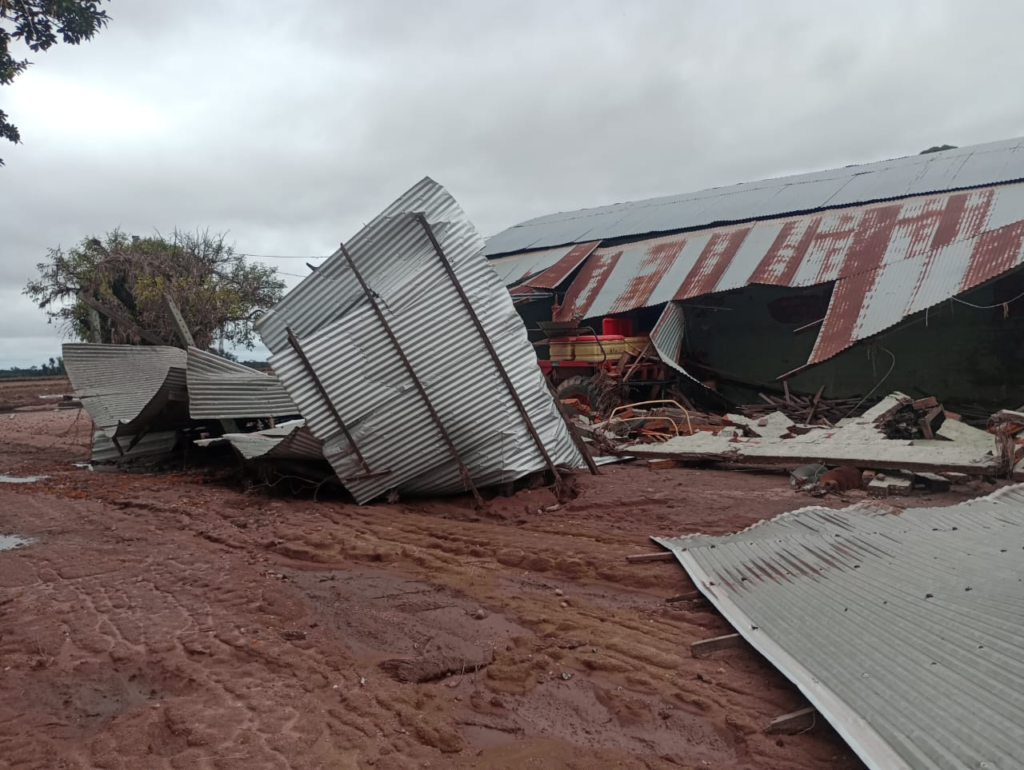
{"type": "Point", "coordinates": [856, 442]}
{"type": "Point", "coordinates": [127, 389]}
{"type": "Point", "coordinates": [153, 446]}
{"type": "Point", "coordinates": [904, 629]}
{"type": "Point", "coordinates": [397, 380]}
{"type": "Point", "coordinates": [288, 441]}
{"type": "Point", "coordinates": [219, 389]}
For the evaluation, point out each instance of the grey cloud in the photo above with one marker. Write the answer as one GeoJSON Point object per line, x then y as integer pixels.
{"type": "Point", "coordinates": [290, 129]}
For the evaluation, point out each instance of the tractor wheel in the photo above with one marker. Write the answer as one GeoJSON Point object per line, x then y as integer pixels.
{"type": "Point", "coordinates": [584, 396]}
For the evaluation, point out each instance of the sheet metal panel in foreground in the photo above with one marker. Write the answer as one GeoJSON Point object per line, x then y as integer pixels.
{"type": "Point", "coordinates": [369, 386]}
{"type": "Point", "coordinates": [904, 629]}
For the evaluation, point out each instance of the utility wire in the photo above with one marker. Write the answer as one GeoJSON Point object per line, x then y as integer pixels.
{"type": "Point", "coordinates": [276, 256]}
{"type": "Point", "coordinates": [988, 307]}
{"type": "Point", "coordinates": [877, 384]}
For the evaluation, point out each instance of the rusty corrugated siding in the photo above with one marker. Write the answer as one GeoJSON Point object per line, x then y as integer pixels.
{"type": "Point", "coordinates": [888, 261]}
{"type": "Point", "coordinates": [542, 269]}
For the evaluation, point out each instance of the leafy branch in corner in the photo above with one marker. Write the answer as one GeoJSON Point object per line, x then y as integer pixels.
{"type": "Point", "coordinates": [39, 25]}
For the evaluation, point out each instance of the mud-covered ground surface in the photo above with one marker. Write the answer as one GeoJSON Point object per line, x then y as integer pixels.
{"type": "Point", "coordinates": [32, 392]}
{"type": "Point", "coordinates": [173, 620]}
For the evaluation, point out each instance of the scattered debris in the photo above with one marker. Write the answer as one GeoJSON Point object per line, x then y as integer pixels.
{"type": "Point", "coordinates": [6, 479]}
{"type": "Point", "coordinates": [859, 442]}
{"type": "Point", "coordinates": [889, 484]}
{"type": "Point", "coordinates": [435, 667]}
{"type": "Point", "coordinates": [10, 542]}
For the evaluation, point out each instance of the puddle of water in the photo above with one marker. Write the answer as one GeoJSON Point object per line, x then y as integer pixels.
{"type": "Point", "coordinates": [7, 542]}
{"type": "Point", "coordinates": [4, 479]}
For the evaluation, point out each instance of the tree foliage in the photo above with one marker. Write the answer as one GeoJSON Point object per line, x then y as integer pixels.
{"type": "Point", "coordinates": [218, 293]}
{"type": "Point", "coordinates": [41, 24]}
{"type": "Point", "coordinates": [938, 148]}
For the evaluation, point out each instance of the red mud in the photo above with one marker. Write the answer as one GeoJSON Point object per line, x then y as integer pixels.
{"type": "Point", "coordinates": [173, 621]}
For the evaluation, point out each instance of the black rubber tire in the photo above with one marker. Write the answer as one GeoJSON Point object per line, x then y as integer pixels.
{"type": "Point", "coordinates": [582, 390]}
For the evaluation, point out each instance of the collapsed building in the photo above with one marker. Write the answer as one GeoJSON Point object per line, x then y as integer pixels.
{"type": "Point", "coordinates": [904, 271]}
{"type": "Point", "coordinates": [396, 394]}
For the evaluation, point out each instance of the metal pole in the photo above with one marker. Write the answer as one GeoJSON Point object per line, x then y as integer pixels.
{"type": "Point", "coordinates": [294, 342]}
{"type": "Point", "coordinates": [467, 479]}
{"type": "Point", "coordinates": [184, 333]}
{"type": "Point", "coordinates": [577, 439]}
{"type": "Point", "coordinates": [419, 217]}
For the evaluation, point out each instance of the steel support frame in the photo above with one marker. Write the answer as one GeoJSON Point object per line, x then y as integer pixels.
{"type": "Point", "coordinates": [422, 220]}
{"type": "Point", "coordinates": [297, 347]}
{"type": "Point", "coordinates": [467, 478]}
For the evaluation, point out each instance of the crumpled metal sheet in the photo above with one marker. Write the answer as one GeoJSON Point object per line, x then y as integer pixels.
{"type": "Point", "coordinates": [288, 441]}
{"type": "Point", "coordinates": [126, 388]}
{"type": "Point", "coordinates": [367, 383]}
{"type": "Point", "coordinates": [152, 447]}
{"type": "Point", "coordinates": [904, 629]}
{"type": "Point", "coordinates": [219, 389]}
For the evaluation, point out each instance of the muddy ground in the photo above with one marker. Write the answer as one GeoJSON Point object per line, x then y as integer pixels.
{"type": "Point", "coordinates": [175, 621]}
{"type": "Point", "coordinates": [33, 392]}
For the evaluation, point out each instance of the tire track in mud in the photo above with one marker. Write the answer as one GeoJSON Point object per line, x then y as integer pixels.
{"type": "Point", "coordinates": [164, 622]}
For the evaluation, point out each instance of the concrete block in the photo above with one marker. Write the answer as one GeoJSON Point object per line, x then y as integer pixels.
{"type": "Point", "coordinates": [890, 485]}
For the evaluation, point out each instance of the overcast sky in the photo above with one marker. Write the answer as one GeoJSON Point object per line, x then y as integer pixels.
{"type": "Point", "coordinates": [291, 124]}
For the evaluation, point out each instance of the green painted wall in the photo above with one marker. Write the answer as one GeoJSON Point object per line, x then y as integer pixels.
{"type": "Point", "coordinates": [960, 354]}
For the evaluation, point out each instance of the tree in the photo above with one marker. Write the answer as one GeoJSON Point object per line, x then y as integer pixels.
{"type": "Point", "coordinates": [938, 148]}
{"type": "Point", "coordinates": [39, 24]}
{"type": "Point", "coordinates": [128, 279]}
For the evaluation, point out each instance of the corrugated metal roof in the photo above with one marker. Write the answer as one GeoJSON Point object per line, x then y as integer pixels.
{"type": "Point", "coordinates": [888, 261]}
{"type": "Point", "coordinates": [905, 631]}
{"type": "Point", "coordinates": [367, 383]}
{"type": "Point", "coordinates": [219, 389]}
{"type": "Point", "coordinates": [125, 387]}
{"type": "Point", "coordinates": [542, 269]}
{"type": "Point", "coordinates": [983, 164]}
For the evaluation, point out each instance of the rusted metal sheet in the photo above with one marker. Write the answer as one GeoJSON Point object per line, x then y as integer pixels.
{"type": "Point", "coordinates": [888, 261]}
{"type": "Point", "coordinates": [542, 269]}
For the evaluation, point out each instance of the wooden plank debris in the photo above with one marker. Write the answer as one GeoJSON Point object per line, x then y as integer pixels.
{"type": "Point", "coordinates": [643, 558]}
{"type": "Point", "coordinates": [658, 464]}
{"type": "Point", "coordinates": [794, 722]}
{"type": "Point", "coordinates": [705, 647]}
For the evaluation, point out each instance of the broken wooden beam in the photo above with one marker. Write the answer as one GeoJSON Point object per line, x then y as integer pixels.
{"type": "Point", "coordinates": [705, 647]}
{"type": "Point", "coordinates": [692, 596]}
{"type": "Point", "coordinates": [642, 558]}
{"type": "Point", "coordinates": [658, 464]}
{"type": "Point", "coordinates": [798, 721]}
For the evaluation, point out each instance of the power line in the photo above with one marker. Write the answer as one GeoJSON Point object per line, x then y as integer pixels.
{"type": "Point", "coordinates": [276, 256]}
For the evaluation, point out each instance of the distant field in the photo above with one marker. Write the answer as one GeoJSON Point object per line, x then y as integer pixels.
{"type": "Point", "coordinates": [26, 391]}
